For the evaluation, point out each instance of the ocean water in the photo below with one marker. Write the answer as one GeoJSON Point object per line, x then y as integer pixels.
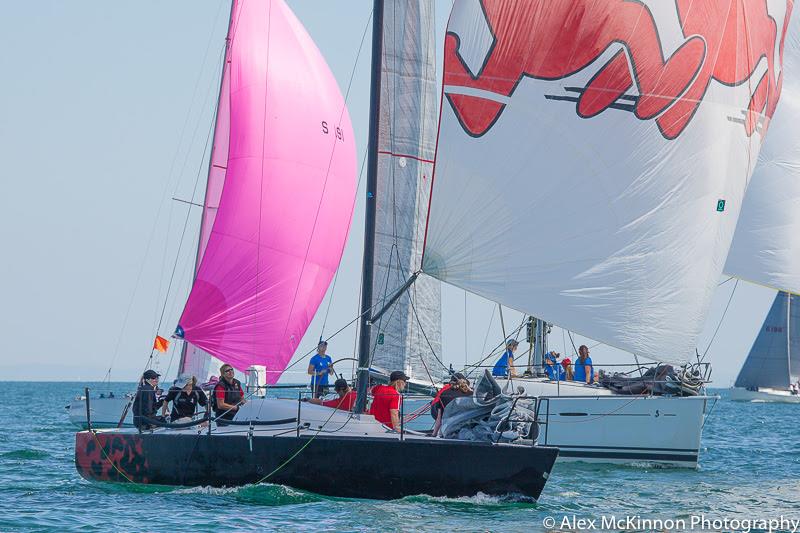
{"type": "Point", "coordinates": [749, 470]}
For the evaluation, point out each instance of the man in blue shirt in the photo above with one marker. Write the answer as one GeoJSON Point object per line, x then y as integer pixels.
{"type": "Point", "coordinates": [504, 367]}
{"type": "Point", "coordinates": [319, 368]}
{"type": "Point", "coordinates": [584, 371]}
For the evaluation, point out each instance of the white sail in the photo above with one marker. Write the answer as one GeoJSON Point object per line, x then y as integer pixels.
{"type": "Point", "coordinates": [593, 156]}
{"type": "Point", "coordinates": [407, 141]}
{"type": "Point", "coordinates": [766, 245]}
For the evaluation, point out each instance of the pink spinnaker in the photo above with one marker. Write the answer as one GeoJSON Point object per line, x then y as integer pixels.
{"type": "Point", "coordinates": [285, 139]}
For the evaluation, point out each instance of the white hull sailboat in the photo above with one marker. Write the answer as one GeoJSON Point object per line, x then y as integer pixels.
{"type": "Point", "coordinates": [597, 194]}
{"type": "Point", "coordinates": [592, 424]}
{"type": "Point", "coordinates": [771, 371]}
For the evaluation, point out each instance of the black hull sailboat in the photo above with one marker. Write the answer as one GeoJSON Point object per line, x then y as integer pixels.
{"type": "Point", "coordinates": [351, 467]}
{"type": "Point", "coordinates": [232, 312]}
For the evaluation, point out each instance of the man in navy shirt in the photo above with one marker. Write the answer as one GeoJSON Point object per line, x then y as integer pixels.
{"type": "Point", "coordinates": [319, 368]}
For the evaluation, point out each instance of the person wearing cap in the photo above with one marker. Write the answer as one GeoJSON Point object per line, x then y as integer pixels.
{"type": "Point", "coordinates": [346, 399]}
{"type": "Point", "coordinates": [566, 363]}
{"type": "Point", "coordinates": [386, 400]}
{"type": "Point", "coordinates": [504, 367]}
{"type": "Point", "coordinates": [146, 402]}
{"type": "Point", "coordinates": [319, 368]}
{"type": "Point", "coordinates": [185, 396]}
{"type": "Point", "coordinates": [458, 388]}
{"type": "Point", "coordinates": [228, 395]}
{"type": "Point", "coordinates": [551, 365]}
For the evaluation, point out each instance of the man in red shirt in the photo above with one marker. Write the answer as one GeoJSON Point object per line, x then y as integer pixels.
{"type": "Point", "coordinates": [386, 400]}
{"type": "Point", "coordinates": [346, 399]}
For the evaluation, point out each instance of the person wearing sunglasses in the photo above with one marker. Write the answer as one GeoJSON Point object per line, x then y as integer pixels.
{"type": "Point", "coordinates": [228, 394]}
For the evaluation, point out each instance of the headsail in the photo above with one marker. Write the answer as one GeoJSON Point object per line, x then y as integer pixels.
{"type": "Point", "coordinates": [773, 359]}
{"type": "Point", "coordinates": [593, 155]}
{"type": "Point", "coordinates": [407, 142]}
{"type": "Point", "coordinates": [286, 204]}
{"type": "Point", "coordinates": [766, 245]}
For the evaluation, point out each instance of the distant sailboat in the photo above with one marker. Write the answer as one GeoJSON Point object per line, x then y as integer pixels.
{"type": "Point", "coordinates": [771, 371]}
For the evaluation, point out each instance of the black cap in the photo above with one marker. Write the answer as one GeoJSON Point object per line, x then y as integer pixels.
{"type": "Point", "coordinates": [398, 374]}
{"type": "Point", "coordinates": [340, 383]}
{"type": "Point", "coordinates": [322, 343]}
{"type": "Point", "coordinates": [150, 374]}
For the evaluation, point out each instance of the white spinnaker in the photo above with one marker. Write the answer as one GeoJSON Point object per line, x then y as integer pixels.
{"type": "Point", "coordinates": [601, 225]}
{"type": "Point", "coordinates": [407, 337]}
{"type": "Point", "coordinates": [766, 245]}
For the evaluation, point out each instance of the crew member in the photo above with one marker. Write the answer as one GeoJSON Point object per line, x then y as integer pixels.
{"type": "Point", "coordinates": [505, 365]}
{"type": "Point", "coordinates": [228, 394]}
{"type": "Point", "coordinates": [584, 371]}
{"type": "Point", "coordinates": [345, 401]}
{"type": "Point", "coordinates": [185, 396]}
{"type": "Point", "coordinates": [319, 368]}
{"type": "Point", "coordinates": [386, 400]}
{"type": "Point", "coordinates": [146, 403]}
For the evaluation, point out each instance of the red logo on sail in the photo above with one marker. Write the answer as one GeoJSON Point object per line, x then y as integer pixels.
{"type": "Point", "coordinates": [554, 39]}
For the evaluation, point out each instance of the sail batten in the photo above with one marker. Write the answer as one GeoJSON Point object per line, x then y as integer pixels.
{"type": "Point", "coordinates": [283, 175]}
{"type": "Point", "coordinates": [593, 156]}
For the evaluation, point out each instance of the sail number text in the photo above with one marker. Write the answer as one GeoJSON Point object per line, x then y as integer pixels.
{"type": "Point", "coordinates": [337, 130]}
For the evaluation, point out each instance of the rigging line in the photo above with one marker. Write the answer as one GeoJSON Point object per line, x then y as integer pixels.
{"type": "Point", "coordinates": [569, 334]}
{"type": "Point", "coordinates": [327, 175]}
{"type": "Point", "coordinates": [488, 330]}
{"type": "Point", "coordinates": [161, 205]}
{"type": "Point", "coordinates": [360, 172]}
{"type": "Point", "coordinates": [494, 350]}
{"type": "Point", "coordinates": [714, 336]}
{"type": "Point", "coordinates": [368, 310]}
{"type": "Point", "coordinates": [721, 283]}
{"type": "Point", "coordinates": [180, 244]}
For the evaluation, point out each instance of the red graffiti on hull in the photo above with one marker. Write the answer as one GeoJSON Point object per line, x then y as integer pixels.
{"type": "Point", "coordinates": [554, 39]}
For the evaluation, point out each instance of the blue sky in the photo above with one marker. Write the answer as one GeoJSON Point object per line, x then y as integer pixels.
{"type": "Point", "coordinates": [106, 111]}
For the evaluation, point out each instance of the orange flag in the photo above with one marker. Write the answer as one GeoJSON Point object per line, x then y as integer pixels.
{"type": "Point", "coordinates": [161, 344]}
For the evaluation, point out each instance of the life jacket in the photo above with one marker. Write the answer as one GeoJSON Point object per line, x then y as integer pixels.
{"type": "Point", "coordinates": [233, 392]}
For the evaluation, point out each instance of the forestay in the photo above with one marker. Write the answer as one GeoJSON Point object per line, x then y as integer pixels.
{"type": "Point", "coordinates": [774, 359]}
{"type": "Point", "coordinates": [286, 204]}
{"type": "Point", "coordinates": [593, 155]}
{"type": "Point", "coordinates": [406, 144]}
{"type": "Point", "coordinates": [766, 245]}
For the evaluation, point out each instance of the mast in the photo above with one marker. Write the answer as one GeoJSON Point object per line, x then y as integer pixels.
{"type": "Point", "coordinates": [185, 346]}
{"type": "Point", "coordinates": [369, 216]}
{"type": "Point", "coordinates": [789, 334]}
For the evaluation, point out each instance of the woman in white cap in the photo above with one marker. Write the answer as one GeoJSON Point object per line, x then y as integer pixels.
{"type": "Point", "coordinates": [185, 396]}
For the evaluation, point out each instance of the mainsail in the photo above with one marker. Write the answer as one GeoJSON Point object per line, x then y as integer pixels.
{"type": "Point", "coordinates": [593, 155]}
{"type": "Point", "coordinates": [286, 202]}
{"type": "Point", "coordinates": [407, 142]}
{"type": "Point", "coordinates": [774, 359]}
{"type": "Point", "coordinates": [766, 245]}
